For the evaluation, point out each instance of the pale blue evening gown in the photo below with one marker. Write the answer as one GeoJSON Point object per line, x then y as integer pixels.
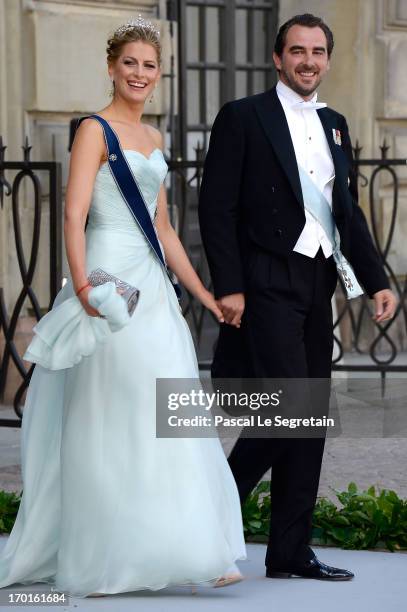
{"type": "Point", "coordinates": [108, 507]}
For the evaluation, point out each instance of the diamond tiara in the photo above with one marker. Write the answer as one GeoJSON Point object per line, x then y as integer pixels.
{"type": "Point", "coordinates": [140, 22]}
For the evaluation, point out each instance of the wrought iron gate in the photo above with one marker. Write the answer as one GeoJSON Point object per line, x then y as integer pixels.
{"type": "Point", "coordinates": [225, 52]}
{"type": "Point", "coordinates": [22, 171]}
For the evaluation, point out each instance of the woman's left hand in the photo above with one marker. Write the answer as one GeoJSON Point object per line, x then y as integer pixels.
{"type": "Point", "coordinates": [208, 300]}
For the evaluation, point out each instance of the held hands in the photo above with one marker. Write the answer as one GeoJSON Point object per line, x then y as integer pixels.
{"type": "Point", "coordinates": [208, 300]}
{"type": "Point", "coordinates": [385, 305]}
{"type": "Point", "coordinates": [232, 307]}
{"type": "Point", "coordinates": [228, 309]}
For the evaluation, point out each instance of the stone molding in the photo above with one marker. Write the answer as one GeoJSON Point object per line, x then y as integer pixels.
{"type": "Point", "coordinates": [64, 5]}
{"type": "Point", "coordinates": [395, 15]}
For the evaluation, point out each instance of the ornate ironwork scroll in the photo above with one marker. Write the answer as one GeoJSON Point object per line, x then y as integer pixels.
{"type": "Point", "coordinates": [28, 170]}
{"type": "Point", "coordinates": [381, 351]}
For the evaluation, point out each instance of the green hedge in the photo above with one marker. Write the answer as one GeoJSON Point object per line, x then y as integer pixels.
{"type": "Point", "coordinates": [9, 503]}
{"type": "Point", "coordinates": [365, 519]}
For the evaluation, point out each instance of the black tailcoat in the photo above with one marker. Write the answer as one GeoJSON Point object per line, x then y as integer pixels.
{"type": "Point", "coordinates": [251, 213]}
{"type": "Point", "coordinates": [251, 193]}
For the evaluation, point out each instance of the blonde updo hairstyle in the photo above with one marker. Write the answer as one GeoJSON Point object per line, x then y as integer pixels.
{"type": "Point", "coordinates": [139, 32]}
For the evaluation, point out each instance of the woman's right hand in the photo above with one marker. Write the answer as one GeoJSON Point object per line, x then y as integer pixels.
{"type": "Point", "coordinates": [83, 298]}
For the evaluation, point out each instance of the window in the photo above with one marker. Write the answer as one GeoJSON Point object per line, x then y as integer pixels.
{"type": "Point", "coordinates": [225, 52]}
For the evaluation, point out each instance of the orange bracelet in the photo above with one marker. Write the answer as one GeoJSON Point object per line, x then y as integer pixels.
{"type": "Point", "coordinates": [82, 288]}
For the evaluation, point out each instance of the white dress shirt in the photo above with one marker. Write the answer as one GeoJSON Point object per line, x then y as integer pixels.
{"type": "Point", "coordinates": [314, 156]}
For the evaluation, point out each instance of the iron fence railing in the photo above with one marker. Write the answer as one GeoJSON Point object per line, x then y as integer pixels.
{"type": "Point", "coordinates": [23, 171]}
{"type": "Point", "coordinates": [378, 347]}
{"type": "Point", "coordinates": [380, 344]}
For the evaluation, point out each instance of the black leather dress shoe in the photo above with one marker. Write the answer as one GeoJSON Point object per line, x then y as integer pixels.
{"type": "Point", "coordinates": [311, 569]}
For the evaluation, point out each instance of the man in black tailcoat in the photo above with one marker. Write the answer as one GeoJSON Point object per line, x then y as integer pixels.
{"type": "Point", "coordinates": [273, 268]}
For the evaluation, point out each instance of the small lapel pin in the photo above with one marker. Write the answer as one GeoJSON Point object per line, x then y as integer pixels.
{"type": "Point", "coordinates": [112, 157]}
{"type": "Point", "coordinates": [337, 136]}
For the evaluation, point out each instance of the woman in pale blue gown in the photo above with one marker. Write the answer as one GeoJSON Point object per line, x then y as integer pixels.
{"type": "Point", "coordinates": [108, 507]}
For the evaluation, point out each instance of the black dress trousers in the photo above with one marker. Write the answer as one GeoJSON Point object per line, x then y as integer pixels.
{"type": "Point", "coordinates": [286, 332]}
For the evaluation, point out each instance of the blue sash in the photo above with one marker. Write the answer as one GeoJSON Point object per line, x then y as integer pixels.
{"type": "Point", "coordinates": [127, 185]}
{"type": "Point", "coordinates": [317, 204]}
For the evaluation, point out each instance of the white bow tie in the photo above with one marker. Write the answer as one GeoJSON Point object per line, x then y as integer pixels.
{"type": "Point", "coordinates": [308, 104]}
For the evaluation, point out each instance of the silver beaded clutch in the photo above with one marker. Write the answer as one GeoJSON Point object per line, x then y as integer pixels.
{"type": "Point", "coordinates": [129, 293]}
